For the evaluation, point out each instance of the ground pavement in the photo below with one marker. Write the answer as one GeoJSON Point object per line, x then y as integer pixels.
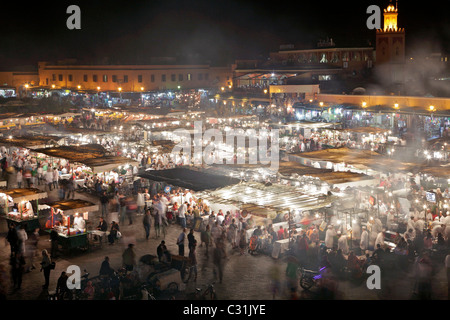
{"type": "Point", "coordinates": [246, 277]}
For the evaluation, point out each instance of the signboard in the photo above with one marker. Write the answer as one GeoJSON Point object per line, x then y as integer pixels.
{"type": "Point", "coordinates": [431, 196]}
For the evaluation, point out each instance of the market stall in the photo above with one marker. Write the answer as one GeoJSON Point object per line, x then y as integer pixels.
{"type": "Point", "coordinates": [21, 207]}
{"type": "Point", "coordinates": [69, 218]}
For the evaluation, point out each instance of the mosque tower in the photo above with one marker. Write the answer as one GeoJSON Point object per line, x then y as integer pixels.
{"type": "Point", "coordinates": [390, 46]}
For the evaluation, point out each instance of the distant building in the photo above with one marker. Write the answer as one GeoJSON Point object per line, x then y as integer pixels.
{"type": "Point", "coordinates": [133, 78]}
{"type": "Point", "coordinates": [15, 82]}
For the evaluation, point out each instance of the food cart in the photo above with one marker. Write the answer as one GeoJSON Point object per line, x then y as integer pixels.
{"type": "Point", "coordinates": [20, 207]}
{"type": "Point", "coordinates": [68, 218]}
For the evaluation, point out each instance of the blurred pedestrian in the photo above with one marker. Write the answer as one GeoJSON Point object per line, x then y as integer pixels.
{"type": "Point", "coordinates": [12, 238]}
{"type": "Point", "coordinates": [17, 263]}
{"type": "Point", "coordinates": [193, 259]}
{"type": "Point", "coordinates": [147, 223]}
{"type": "Point", "coordinates": [129, 257]}
{"type": "Point", "coordinates": [219, 257]}
{"type": "Point", "coordinates": [46, 265]}
{"type": "Point", "coordinates": [180, 242]}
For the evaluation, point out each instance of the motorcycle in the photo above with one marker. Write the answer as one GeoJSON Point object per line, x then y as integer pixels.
{"type": "Point", "coordinates": [309, 278]}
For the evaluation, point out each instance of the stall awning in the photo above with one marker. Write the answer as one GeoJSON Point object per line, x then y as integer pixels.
{"type": "Point", "coordinates": [72, 206]}
{"type": "Point", "coordinates": [29, 194]}
{"type": "Point", "coordinates": [107, 163]}
{"type": "Point", "coordinates": [268, 198]}
{"type": "Point", "coordinates": [75, 153]}
{"type": "Point", "coordinates": [29, 142]}
{"type": "Point", "coordinates": [189, 179]}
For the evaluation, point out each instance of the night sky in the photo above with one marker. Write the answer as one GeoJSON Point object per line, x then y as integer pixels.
{"type": "Point", "coordinates": [220, 31]}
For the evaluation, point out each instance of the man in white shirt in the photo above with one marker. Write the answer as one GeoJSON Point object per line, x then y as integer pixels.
{"type": "Point", "coordinates": [182, 214]}
{"type": "Point", "coordinates": [364, 243]}
{"type": "Point", "coordinates": [79, 223]}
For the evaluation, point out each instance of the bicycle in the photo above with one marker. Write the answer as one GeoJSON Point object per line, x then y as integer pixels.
{"type": "Point", "coordinates": [208, 294]}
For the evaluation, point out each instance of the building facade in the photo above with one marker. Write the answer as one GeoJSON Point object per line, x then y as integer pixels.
{"type": "Point", "coordinates": [133, 78]}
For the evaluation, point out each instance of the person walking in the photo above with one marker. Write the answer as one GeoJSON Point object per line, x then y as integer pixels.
{"type": "Point", "coordinates": [17, 263]}
{"type": "Point", "coordinates": [113, 233]}
{"type": "Point", "coordinates": [219, 257]}
{"type": "Point", "coordinates": [13, 238]}
{"type": "Point", "coordinates": [32, 249]}
{"type": "Point", "coordinates": [447, 266]}
{"type": "Point", "coordinates": [182, 214]}
{"type": "Point", "coordinates": [55, 178]}
{"type": "Point", "coordinates": [191, 238]}
{"type": "Point", "coordinates": [62, 291]}
{"type": "Point", "coordinates": [46, 266]}
{"type": "Point", "coordinates": [19, 178]}
{"type": "Point", "coordinates": [147, 223]}
{"type": "Point", "coordinates": [129, 258]}
{"type": "Point", "coordinates": [205, 238]}
{"type": "Point", "coordinates": [364, 242]}
{"type": "Point", "coordinates": [54, 243]}
{"type": "Point", "coordinates": [157, 216]}
{"type": "Point", "coordinates": [193, 259]}
{"type": "Point", "coordinates": [162, 252]}
{"type": "Point", "coordinates": [49, 180]}
{"type": "Point", "coordinates": [180, 242]}
{"type": "Point", "coordinates": [140, 201]}
{"type": "Point", "coordinates": [242, 242]}
{"type": "Point", "coordinates": [104, 200]}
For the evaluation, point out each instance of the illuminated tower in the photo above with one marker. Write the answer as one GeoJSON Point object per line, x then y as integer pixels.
{"type": "Point", "coordinates": [390, 46]}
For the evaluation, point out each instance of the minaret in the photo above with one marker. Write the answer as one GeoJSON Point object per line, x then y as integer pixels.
{"type": "Point", "coordinates": [390, 45]}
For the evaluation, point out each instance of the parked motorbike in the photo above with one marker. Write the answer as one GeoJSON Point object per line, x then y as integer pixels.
{"type": "Point", "coordinates": [309, 278]}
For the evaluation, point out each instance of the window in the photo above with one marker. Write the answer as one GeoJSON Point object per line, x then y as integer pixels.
{"type": "Point", "coordinates": [114, 78]}
{"type": "Point", "coordinates": [152, 78]}
{"type": "Point", "coordinates": [105, 78]}
{"type": "Point", "coordinates": [163, 78]}
{"type": "Point", "coordinates": [200, 76]}
{"type": "Point", "coordinates": [189, 77]}
{"type": "Point", "coordinates": [125, 79]}
{"type": "Point", "coordinates": [46, 81]}
{"type": "Point", "coordinates": [53, 77]}
{"type": "Point", "coordinates": [85, 78]}
{"type": "Point", "coordinates": [70, 78]}
{"type": "Point", "coordinates": [140, 78]}
{"type": "Point", "coordinates": [94, 78]}
{"type": "Point", "coordinates": [60, 77]}
{"type": "Point", "coordinates": [206, 76]}
{"type": "Point", "coordinates": [173, 77]}
{"type": "Point", "coordinates": [180, 77]}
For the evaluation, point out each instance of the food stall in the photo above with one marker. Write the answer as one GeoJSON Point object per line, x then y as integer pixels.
{"type": "Point", "coordinates": [69, 218]}
{"type": "Point", "coordinates": [21, 206]}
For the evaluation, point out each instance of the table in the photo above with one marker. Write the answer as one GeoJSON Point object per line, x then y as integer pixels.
{"type": "Point", "coordinates": [100, 234]}
{"type": "Point", "coordinates": [279, 247]}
